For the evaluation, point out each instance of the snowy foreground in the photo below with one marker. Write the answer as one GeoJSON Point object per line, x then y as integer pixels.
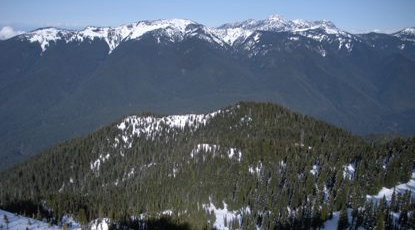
{"type": "Point", "coordinates": [222, 215]}
{"type": "Point", "coordinates": [17, 222]}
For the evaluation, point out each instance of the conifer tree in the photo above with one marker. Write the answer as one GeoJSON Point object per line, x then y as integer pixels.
{"type": "Point", "coordinates": [343, 219]}
{"type": "Point", "coordinates": [380, 222]}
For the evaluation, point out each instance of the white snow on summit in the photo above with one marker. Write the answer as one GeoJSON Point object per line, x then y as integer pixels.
{"type": "Point", "coordinates": [174, 28]}
{"type": "Point", "coordinates": [178, 29]}
{"type": "Point", "coordinates": [231, 35]}
{"type": "Point", "coordinates": [151, 127]}
{"type": "Point", "coordinates": [407, 34]}
{"type": "Point", "coordinates": [45, 36]}
{"type": "Point", "coordinates": [317, 30]}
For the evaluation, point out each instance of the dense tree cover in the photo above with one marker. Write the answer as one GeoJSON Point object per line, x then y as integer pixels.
{"type": "Point", "coordinates": [292, 174]}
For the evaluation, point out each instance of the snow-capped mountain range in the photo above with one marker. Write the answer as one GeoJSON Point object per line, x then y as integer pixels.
{"type": "Point", "coordinates": [225, 35]}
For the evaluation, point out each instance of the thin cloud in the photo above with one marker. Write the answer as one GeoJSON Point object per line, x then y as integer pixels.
{"type": "Point", "coordinates": [7, 32]}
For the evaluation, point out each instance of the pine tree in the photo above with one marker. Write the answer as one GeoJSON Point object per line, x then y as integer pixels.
{"type": "Point", "coordinates": [82, 216]}
{"type": "Point", "coordinates": [380, 223]}
{"type": "Point", "coordinates": [324, 212]}
{"type": "Point", "coordinates": [343, 219]}
{"type": "Point", "coordinates": [316, 217]}
{"type": "Point", "coordinates": [403, 218]}
{"type": "Point", "coordinates": [393, 204]}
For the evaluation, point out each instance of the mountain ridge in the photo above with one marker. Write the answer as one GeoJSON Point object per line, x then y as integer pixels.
{"type": "Point", "coordinates": [225, 34]}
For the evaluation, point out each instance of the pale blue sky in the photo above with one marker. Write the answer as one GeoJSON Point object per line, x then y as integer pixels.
{"type": "Point", "coordinates": [352, 15]}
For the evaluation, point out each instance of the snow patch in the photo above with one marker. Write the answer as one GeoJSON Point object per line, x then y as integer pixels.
{"type": "Point", "coordinates": [224, 217]}
{"type": "Point", "coordinates": [349, 171]}
{"type": "Point", "coordinates": [207, 148]}
{"type": "Point", "coordinates": [167, 212]}
{"type": "Point", "coordinates": [69, 221]}
{"type": "Point", "coordinates": [231, 35]}
{"type": "Point", "coordinates": [100, 224]}
{"type": "Point", "coordinates": [407, 34]}
{"type": "Point", "coordinates": [401, 188]}
{"type": "Point", "coordinates": [234, 152]}
{"type": "Point", "coordinates": [322, 51]}
{"type": "Point", "coordinates": [46, 36]}
{"type": "Point", "coordinates": [256, 170]}
{"type": "Point", "coordinates": [315, 170]}
{"type": "Point", "coordinates": [334, 221]}
{"type": "Point", "coordinates": [97, 163]}
{"type": "Point", "coordinates": [150, 127]}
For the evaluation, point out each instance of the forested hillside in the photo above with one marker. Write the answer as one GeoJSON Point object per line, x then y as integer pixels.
{"type": "Point", "coordinates": [261, 164]}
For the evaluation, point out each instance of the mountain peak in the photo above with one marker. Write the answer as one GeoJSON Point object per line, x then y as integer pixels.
{"type": "Point", "coordinates": [276, 18]}
{"type": "Point", "coordinates": [407, 34]}
{"type": "Point", "coordinates": [45, 35]}
{"type": "Point", "coordinates": [408, 31]}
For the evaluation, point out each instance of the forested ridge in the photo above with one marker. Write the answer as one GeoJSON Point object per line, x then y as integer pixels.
{"type": "Point", "coordinates": [273, 167]}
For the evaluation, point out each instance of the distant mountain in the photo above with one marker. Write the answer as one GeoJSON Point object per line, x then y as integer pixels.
{"type": "Point", "coordinates": [246, 166]}
{"type": "Point", "coordinates": [57, 83]}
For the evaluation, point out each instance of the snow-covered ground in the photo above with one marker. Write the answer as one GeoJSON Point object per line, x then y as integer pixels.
{"type": "Point", "coordinates": [223, 216]}
{"type": "Point", "coordinates": [16, 222]}
{"type": "Point", "coordinates": [401, 188]}
{"type": "Point", "coordinates": [255, 170]}
{"type": "Point", "coordinates": [348, 171]}
{"type": "Point", "coordinates": [100, 224]}
{"type": "Point", "coordinates": [384, 192]}
{"type": "Point", "coordinates": [150, 127]}
{"type": "Point", "coordinates": [333, 222]}
{"type": "Point", "coordinates": [232, 153]}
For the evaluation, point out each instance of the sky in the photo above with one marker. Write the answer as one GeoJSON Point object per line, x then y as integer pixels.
{"type": "Point", "coordinates": [355, 16]}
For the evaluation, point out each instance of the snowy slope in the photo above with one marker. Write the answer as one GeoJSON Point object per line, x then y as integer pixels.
{"type": "Point", "coordinates": [224, 217]}
{"type": "Point", "coordinates": [407, 34]}
{"type": "Point", "coordinates": [384, 192]}
{"type": "Point", "coordinates": [19, 222]}
{"type": "Point", "coordinates": [173, 29]}
{"type": "Point", "coordinates": [316, 30]}
{"type": "Point", "coordinates": [401, 188]}
{"type": "Point", "coordinates": [150, 127]}
{"type": "Point", "coordinates": [46, 36]}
